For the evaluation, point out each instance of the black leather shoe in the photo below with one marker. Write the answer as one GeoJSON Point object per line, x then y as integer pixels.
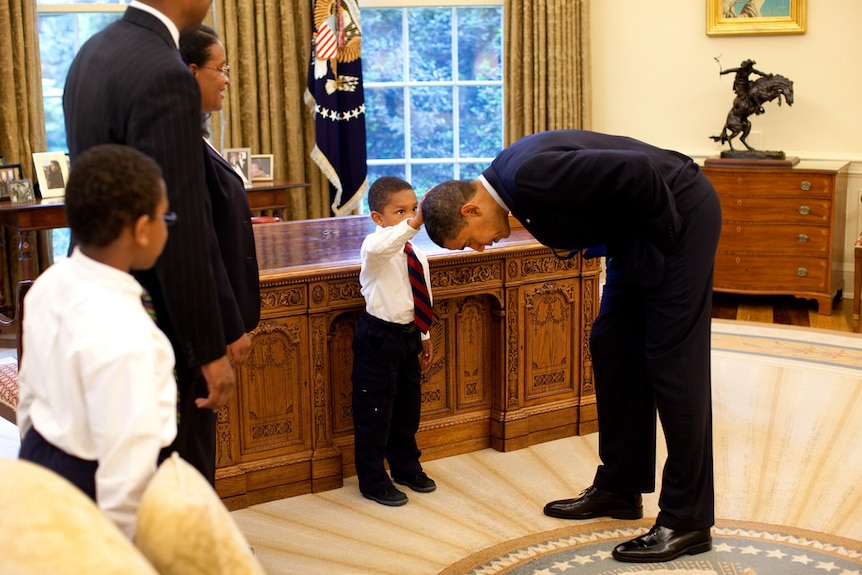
{"type": "Point", "coordinates": [595, 502]}
{"type": "Point", "coordinates": [391, 496]}
{"type": "Point", "coordinates": [419, 482]}
{"type": "Point", "coordinates": [663, 544]}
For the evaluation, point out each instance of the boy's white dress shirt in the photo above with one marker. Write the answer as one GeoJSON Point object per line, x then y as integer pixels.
{"type": "Point", "coordinates": [96, 378]}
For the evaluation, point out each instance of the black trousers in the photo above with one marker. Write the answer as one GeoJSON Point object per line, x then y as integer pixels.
{"type": "Point", "coordinates": [651, 354]}
{"type": "Point", "coordinates": [196, 427]}
{"type": "Point", "coordinates": [386, 401]}
{"type": "Point", "coordinates": [80, 472]}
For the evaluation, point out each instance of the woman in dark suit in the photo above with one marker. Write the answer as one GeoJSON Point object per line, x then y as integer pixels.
{"type": "Point", "coordinates": [239, 287]}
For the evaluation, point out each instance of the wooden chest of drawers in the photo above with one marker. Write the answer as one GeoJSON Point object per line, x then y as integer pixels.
{"type": "Point", "coordinates": [782, 230]}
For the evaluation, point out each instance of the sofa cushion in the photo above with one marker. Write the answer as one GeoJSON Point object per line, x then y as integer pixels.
{"type": "Point", "coordinates": [47, 525]}
{"type": "Point", "coordinates": [185, 529]}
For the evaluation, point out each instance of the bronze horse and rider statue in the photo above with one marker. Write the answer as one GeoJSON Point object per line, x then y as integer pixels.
{"type": "Point", "coordinates": [750, 97]}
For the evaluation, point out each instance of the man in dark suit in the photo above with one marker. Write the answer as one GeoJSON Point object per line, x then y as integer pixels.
{"type": "Point", "coordinates": [129, 85]}
{"type": "Point", "coordinates": [658, 218]}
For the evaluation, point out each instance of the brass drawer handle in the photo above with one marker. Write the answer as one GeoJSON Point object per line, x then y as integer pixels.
{"type": "Point", "coordinates": [805, 185]}
{"type": "Point", "coordinates": [802, 272]}
{"type": "Point", "coordinates": [804, 210]}
{"type": "Point", "coordinates": [803, 238]}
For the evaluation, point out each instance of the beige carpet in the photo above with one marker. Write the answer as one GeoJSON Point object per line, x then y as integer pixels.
{"type": "Point", "coordinates": [788, 452]}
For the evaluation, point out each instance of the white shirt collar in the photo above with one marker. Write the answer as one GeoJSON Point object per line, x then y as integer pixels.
{"type": "Point", "coordinates": [487, 185]}
{"type": "Point", "coordinates": [172, 28]}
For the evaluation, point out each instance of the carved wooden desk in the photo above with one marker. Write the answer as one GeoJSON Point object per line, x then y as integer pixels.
{"type": "Point", "coordinates": [511, 363]}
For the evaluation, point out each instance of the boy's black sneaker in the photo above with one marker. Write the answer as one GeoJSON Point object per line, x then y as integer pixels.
{"type": "Point", "coordinates": [419, 482]}
{"type": "Point", "coordinates": [391, 496]}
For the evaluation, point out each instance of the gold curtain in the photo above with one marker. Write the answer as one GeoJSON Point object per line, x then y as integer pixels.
{"type": "Point", "coordinates": [268, 48]}
{"type": "Point", "coordinates": [22, 125]}
{"type": "Point", "coordinates": [547, 63]}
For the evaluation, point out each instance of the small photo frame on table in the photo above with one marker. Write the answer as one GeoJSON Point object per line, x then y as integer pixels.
{"type": "Point", "coordinates": [261, 167]}
{"type": "Point", "coordinates": [754, 17]}
{"type": "Point", "coordinates": [52, 172]}
{"type": "Point", "coordinates": [240, 160]}
{"type": "Point", "coordinates": [21, 191]}
{"type": "Point", "coordinates": [8, 173]}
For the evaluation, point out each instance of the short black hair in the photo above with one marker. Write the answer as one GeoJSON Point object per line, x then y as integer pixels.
{"type": "Point", "coordinates": [195, 45]}
{"type": "Point", "coordinates": [383, 189]}
{"type": "Point", "coordinates": [110, 186]}
{"type": "Point", "coordinates": [441, 209]}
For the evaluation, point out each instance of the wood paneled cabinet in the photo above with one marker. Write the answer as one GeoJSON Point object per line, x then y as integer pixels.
{"type": "Point", "coordinates": [511, 358]}
{"type": "Point", "coordinates": [782, 230]}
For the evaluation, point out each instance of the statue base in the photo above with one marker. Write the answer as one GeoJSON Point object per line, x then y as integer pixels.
{"type": "Point", "coordinates": [752, 159]}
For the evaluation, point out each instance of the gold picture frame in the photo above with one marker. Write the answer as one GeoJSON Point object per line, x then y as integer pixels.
{"type": "Point", "coordinates": [261, 167]}
{"type": "Point", "coordinates": [754, 17]}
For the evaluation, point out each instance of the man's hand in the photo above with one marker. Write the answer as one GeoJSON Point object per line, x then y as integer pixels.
{"type": "Point", "coordinates": [239, 350]}
{"type": "Point", "coordinates": [221, 384]}
{"type": "Point", "coordinates": [427, 353]}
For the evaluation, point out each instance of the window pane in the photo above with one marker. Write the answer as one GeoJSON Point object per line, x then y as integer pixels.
{"type": "Point", "coordinates": [480, 43]}
{"type": "Point", "coordinates": [430, 41]}
{"type": "Point", "coordinates": [60, 37]}
{"type": "Point", "coordinates": [426, 176]}
{"type": "Point", "coordinates": [377, 171]}
{"type": "Point", "coordinates": [384, 122]}
{"type": "Point", "coordinates": [481, 125]}
{"type": "Point", "coordinates": [382, 46]}
{"type": "Point", "coordinates": [471, 170]}
{"type": "Point", "coordinates": [431, 134]}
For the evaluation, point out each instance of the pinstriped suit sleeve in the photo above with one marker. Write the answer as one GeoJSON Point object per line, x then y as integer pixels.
{"type": "Point", "coordinates": [128, 85]}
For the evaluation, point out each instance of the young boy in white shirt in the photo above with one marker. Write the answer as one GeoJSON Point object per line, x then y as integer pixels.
{"type": "Point", "coordinates": [390, 341]}
{"type": "Point", "coordinates": [97, 390]}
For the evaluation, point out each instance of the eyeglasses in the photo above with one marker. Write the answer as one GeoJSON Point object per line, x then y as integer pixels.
{"type": "Point", "coordinates": [225, 70]}
{"type": "Point", "coordinates": [170, 218]}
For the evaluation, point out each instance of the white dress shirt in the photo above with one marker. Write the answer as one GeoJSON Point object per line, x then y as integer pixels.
{"type": "Point", "coordinates": [96, 378]}
{"type": "Point", "coordinates": [384, 277]}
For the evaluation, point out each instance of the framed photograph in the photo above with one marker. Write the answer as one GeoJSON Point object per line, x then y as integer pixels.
{"type": "Point", "coordinates": [240, 159]}
{"type": "Point", "coordinates": [261, 167]}
{"type": "Point", "coordinates": [52, 171]}
{"type": "Point", "coordinates": [8, 173]}
{"type": "Point", "coordinates": [21, 191]}
{"type": "Point", "coordinates": [754, 17]}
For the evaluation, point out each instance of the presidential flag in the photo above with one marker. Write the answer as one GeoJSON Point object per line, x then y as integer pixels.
{"type": "Point", "coordinates": [336, 97]}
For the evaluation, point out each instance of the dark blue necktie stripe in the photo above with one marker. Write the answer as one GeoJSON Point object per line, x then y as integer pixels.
{"type": "Point", "coordinates": [421, 299]}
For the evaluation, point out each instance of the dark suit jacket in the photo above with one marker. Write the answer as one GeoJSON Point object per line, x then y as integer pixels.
{"type": "Point", "coordinates": [129, 85]}
{"type": "Point", "coordinates": [575, 189]}
{"type": "Point", "coordinates": [236, 272]}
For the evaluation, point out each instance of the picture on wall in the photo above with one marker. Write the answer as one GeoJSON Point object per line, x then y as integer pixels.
{"type": "Point", "coordinates": [240, 159]}
{"type": "Point", "coordinates": [261, 167]}
{"type": "Point", "coordinates": [52, 171]}
{"type": "Point", "coordinates": [740, 17]}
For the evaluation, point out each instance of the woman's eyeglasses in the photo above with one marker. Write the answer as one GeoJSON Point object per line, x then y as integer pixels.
{"type": "Point", "coordinates": [225, 70]}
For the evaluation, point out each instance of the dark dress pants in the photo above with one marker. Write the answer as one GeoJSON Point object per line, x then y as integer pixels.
{"type": "Point", "coordinates": [80, 472]}
{"type": "Point", "coordinates": [651, 354]}
{"type": "Point", "coordinates": [386, 401]}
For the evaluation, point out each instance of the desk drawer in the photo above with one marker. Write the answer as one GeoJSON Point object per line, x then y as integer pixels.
{"type": "Point", "coordinates": [790, 239]}
{"type": "Point", "coordinates": [768, 209]}
{"type": "Point", "coordinates": [775, 182]}
{"type": "Point", "coordinates": [770, 274]}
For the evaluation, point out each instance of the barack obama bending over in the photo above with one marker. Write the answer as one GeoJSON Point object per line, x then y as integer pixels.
{"type": "Point", "coordinates": [657, 219]}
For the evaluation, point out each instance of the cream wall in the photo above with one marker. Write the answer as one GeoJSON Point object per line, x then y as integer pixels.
{"type": "Point", "coordinates": [655, 78]}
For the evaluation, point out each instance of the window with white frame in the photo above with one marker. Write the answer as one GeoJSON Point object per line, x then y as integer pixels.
{"type": "Point", "coordinates": [433, 81]}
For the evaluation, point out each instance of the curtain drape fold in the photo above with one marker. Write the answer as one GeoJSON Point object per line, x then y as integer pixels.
{"type": "Point", "coordinates": [268, 48]}
{"type": "Point", "coordinates": [22, 124]}
{"type": "Point", "coordinates": [547, 73]}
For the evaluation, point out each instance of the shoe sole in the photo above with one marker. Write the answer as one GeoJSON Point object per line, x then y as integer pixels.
{"type": "Point", "coordinates": [386, 502]}
{"type": "Point", "coordinates": [416, 487]}
{"type": "Point", "coordinates": [693, 550]}
{"type": "Point", "coordinates": [613, 514]}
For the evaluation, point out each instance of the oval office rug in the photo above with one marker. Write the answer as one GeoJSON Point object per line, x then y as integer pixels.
{"type": "Point", "coordinates": [738, 548]}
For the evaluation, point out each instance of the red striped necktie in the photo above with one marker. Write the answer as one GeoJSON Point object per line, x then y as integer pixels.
{"type": "Point", "coordinates": [421, 299]}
